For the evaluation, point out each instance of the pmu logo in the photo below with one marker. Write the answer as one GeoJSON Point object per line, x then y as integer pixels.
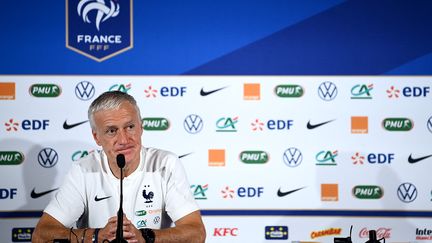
{"type": "Point", "coordinates": [361, 91]}
{"type": "Point", "coordinates": [292, 157]}
{"type": "Point", "coordinates": [22, 234]}
{"type": "Point", "coordinates": [11, 157]}
{"type": "Point", "coordinates": [397, 124]}
{"type": "Point", "coordinates": [47, 157]}
{"type": "Point", "coordinates": [326, 157]}
{"type": "Point", "coordinates": [367, 192]}
{"type": "Point", "coordinates": [276, 232]}
{"type": "Point", "coordinates": [121, 87]}
{"type": "Point", "coordinates": [254, 157]}
{"type": "Point", "coordinates": [85, 90]}
{"type": "Point", "coordinates": [226, 124]}
{"type": "Point", "coordinates": [407, 192]}
{"type": "Point", "coordinates": [327, 91]}
{"type": "Point", "coordinates": [77, 155]}
{"type": "Point", "coordinates": [242, 192]}
{"type": "Point", "coordinates": [193, 124]}
{"type": "Point", "coordinates": [155, 124]}
{"type": "Point", "coordinates": [99, 29]}
{"type": "Point", "coordinates": [199, 191]}
{"type": "Point", "coordinates": [12, 125]}
{"type": "Point", "coordinates": [289, 91]}
{"type": "Point", "coordinates": [45, 90]}
{"type": "Point", "coordinates": [225, 232]}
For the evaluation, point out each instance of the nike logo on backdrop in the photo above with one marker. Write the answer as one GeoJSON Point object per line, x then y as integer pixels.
{"type": "Point", "coordinates": [69, 126]}
{"type": "Point", "coordinates": [313, 126]}
{"type": "Point", "coordinates": [283, 194]}
{"type": "Point", "coordinates": [97, 199]}
{"type": "Point", "coordinates": [34, 194]}
{"type": "Point", "coordinates": [415, 160]}
{"type": "Point", "coordinates": [205, 93]}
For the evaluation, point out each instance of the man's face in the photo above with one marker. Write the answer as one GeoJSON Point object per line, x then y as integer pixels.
{"type": "Point", "coordinates": [119, 132]}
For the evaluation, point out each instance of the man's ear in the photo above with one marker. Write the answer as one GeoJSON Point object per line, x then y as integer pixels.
{"type": "Point", "coordinates": [95, 137]}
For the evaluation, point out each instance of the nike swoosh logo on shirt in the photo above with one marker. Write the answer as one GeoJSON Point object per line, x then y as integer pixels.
{"type": "Point", "coordinates": [313, 126]}
{"type": "Point", "coordinates": [69, 126]}
{"type": "Point", "coordinates": [34, 194]}
{"type": "Point", "coordinates": [184, 155]}
{"type": "Point", "coordinates": [415, 160]}
{"type": "Point", "coordinates": [97, 199]}
{"type": "Point", "coordinates": [283, 194]}
{"type": "Point", "coordinates": [205, 93]}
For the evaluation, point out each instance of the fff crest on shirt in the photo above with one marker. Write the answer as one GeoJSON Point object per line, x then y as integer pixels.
{"type": "Point", "coordinates": [99, 29]}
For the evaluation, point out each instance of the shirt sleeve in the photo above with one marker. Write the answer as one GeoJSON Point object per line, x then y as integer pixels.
{"type": "Point", "coordinates": [68, 204]}
{"type": "Point", "coordinates": [179, 199]}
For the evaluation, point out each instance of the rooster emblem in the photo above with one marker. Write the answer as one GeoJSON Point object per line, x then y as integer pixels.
{"type": "Point", "coordinates": [148, 196]}
{"type": "Point", "coordinates": [103, 11]}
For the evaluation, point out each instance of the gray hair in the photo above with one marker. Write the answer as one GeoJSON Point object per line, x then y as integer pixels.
{"type": "Point", "coordinates": [110, 100]}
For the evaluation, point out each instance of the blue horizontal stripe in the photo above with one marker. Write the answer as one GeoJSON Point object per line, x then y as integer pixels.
{"type": "Point", "coordinates": [336, 213]}
{"type": "Point", "coordinates": [215, 212]}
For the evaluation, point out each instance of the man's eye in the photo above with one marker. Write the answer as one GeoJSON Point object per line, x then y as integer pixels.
{"type": "Point", "coordinates": [131, 127]}
{"type": "Point", "coordinates": [111, 131]}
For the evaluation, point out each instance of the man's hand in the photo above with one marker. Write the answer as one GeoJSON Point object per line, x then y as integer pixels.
{"type": "Point", "coordinates": [130, 232]}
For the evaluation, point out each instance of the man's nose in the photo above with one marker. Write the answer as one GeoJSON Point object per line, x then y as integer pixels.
{"type": "Point", "coordinates": [122, 136]}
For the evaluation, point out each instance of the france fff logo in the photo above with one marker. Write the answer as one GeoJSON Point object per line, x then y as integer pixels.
{"type": "Point", "coordinates": [99, 29]}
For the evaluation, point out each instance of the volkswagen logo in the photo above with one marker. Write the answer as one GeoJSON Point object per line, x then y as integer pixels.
{"type": "Point", "coordinates": [407, 192]}
{"type": "Point", "coordinates": [47, 157]}
{"type": "Point", "coordinates": [327, 91]}
{"type": "Point", "coordinates": [292, 157]}
{"type": "Point", "coordinates": [84, 90]}
{"type": "Point", "coordinates": [193, 124]}
{"type": "Point", "coordinates": [429, 124]}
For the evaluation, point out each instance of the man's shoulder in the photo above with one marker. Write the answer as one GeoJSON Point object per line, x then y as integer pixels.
{"type": "Point", "coordinates": [149, 151]}
{"type": "Point", "coordinates": [89, 163]}
{"type": "Point", "coordinates": [155, 159]}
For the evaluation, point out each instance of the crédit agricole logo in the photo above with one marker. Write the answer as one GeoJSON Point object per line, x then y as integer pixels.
{"type": "Point", "coordinates": [99, 29]}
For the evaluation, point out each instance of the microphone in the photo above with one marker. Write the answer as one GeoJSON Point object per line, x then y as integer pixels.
{"type": "Point", "coordinates": [344, 240]}
{"type": "Point", "coordinates": [373, 237]}
{"type": "Point", "coordinates": [121, 161]}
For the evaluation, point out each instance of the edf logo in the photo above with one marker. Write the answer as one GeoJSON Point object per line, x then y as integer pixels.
{"type": "Point", "coordinates": [27, 124]}
{"type": "Point", "coordinates": [280, 124]}
{"type": "Point", "coordinates": [7, 193]}
{"type": "Point", "coordinates": [415, 91]}
{"type": "Point", "coordinates": [165, 91]}
{"type": "Point", "coordinates": [227, 192]}
{"type": "Point", "coordinates": [380, 158]}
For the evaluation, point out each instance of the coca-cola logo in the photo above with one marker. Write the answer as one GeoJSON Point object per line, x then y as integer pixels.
{"type": "Point", "coordinates": [380, 233]}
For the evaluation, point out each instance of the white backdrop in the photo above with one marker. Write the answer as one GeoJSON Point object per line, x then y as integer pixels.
{"type": "Point", "coordinates": [253, 204]}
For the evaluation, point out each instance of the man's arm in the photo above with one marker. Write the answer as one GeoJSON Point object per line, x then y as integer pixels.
{"type": "Point", "coordinates": [48, 228]}
{"type": "Point", "coordinates": [189, 228]}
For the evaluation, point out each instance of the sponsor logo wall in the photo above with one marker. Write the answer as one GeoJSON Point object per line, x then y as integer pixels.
{"type": "Point", "coordinates": [287, 158]}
